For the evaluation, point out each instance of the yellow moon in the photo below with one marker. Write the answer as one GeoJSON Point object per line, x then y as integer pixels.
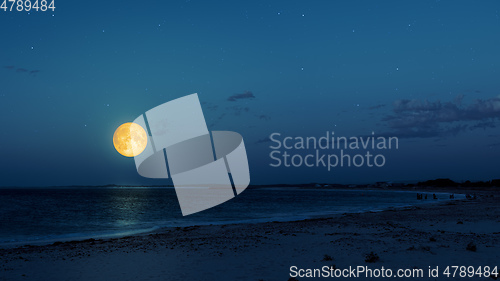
{"type": "Point", "coordinates": [130, 139]}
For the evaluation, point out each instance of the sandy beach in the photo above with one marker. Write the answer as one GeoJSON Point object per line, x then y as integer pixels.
{"type": "Point", "coordinates": [455, 233]}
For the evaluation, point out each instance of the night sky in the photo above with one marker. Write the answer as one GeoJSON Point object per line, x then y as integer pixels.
{"type": "Point", "coordinates": [424, 71]}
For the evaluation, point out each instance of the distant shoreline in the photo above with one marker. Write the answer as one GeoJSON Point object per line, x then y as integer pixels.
{"type": "Point", "coordinates": [433, 185]}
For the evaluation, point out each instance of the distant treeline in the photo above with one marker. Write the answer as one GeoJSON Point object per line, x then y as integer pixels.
{"type": "Point", "coordinates": [450, 183]}
{"type": "Point", "coordinates": [439, 183]}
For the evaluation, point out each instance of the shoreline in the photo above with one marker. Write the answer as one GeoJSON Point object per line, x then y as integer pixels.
{"type": "Point", "coordinates": [161, 230]}
{"type": "Point", "coordinates": [75, 237]}
{"type": "Point", "coordinates": [412, 237]}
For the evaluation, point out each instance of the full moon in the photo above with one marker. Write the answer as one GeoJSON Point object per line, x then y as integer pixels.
{"type": "Point", "coordinates": [130, 139]}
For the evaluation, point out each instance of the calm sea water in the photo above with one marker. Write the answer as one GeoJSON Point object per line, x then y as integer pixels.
{"type": "Point", "coordinates": [34, 215]}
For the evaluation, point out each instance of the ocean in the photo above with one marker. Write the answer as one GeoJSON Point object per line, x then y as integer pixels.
{"type": "Point", "coordinates": [43, 215]}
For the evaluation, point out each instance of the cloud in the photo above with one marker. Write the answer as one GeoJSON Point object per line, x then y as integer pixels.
{"type": "Point", "coordinates": [234, 109]}
{"type": "Point", "coordinates": [264, 117]}
{"type": "Point", "coordinates": [34, 72]}
{"type": "Point", "coordinates": [263, 140]}
{"type": "Point", "coordinates": [238, 110]}
{"type": "Point", "coordinates": [377, 106]}
{"type": "Point", "coordinates": [245, 95]}
{"type": "Point", "coordinates": [441, 145]}
{"type": "Point", "coordinates": [216, 121]}
{"type": "Point", "coordinates": [22, 70]}
{"type": "Point", "coordinates": [483, 125]}
{"type": "Point", "coordinates": [424, 119]}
